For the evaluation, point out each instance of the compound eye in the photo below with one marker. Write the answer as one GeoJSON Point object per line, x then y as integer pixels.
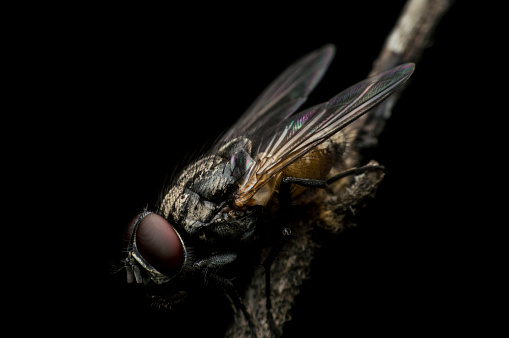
{"type": "Point", "coordinates": [159, 244]}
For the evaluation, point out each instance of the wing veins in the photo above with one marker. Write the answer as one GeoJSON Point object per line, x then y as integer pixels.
{"type": "Point", "coordinates": [320, 123]}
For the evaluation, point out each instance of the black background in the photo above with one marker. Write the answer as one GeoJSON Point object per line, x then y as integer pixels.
{"type": "Point", "coordinates": [154, 85]}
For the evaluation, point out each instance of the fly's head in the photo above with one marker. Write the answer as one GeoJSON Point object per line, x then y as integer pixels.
{"type": "Point", "coordinates": [155, 253]}
{"type": "Point", "coordinates": [158, 259]}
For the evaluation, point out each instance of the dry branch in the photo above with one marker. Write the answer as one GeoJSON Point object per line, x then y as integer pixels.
{"type": "Point", "coordinates": [332, 209]}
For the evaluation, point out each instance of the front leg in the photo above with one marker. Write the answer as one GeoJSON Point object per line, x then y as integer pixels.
{"type": "Point", "coordinates": [218, 261]}
{"type": "Point", "coordinates": [213, 263]}
{"type": "Point", "coordinates": [235, 299]}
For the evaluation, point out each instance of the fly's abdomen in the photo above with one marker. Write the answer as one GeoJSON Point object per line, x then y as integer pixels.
{"type": "Point", "coordinates": [318, 163]}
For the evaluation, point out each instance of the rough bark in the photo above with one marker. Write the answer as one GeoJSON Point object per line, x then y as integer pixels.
{"type": "Point", "coordinates": [332, 209]}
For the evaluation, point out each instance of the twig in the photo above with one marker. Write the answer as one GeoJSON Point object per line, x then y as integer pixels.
{"type": "Point", "coordinates": [332, 209]}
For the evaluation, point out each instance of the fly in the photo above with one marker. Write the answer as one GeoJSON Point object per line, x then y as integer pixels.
{"type": "Point", "coordinates": [271, 154]}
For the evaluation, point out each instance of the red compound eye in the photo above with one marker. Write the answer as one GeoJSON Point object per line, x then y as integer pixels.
{"type": "Point", "coordinates": [159, 244]}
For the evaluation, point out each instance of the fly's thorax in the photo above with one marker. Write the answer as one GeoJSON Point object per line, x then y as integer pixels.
{"type": "Point", "coordinates": [205, 187]}
{"type": "Point", "coordinates": [177, 198]}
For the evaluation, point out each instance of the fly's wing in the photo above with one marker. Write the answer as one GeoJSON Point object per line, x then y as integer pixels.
{"type": "Point", "coordinates": [301, 132]}
{"type": "Point", "coordinates": [284, 95]}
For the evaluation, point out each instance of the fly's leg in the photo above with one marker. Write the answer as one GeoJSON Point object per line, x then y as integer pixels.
{"type": "Point", "coordinates": [234, 297]}
{"type": "Point", "coordinates": [218, 261]}
{"type": "Point", "coordinates": [312, 183]}
{"type": "Point", "coordinates": [267, 264]}
{"type": "Point", "coordinates": [284, 206]}
{"type": "Point", "coordinates": [214, 262]}
{"type": "Point", "coordinates": [284, 236]}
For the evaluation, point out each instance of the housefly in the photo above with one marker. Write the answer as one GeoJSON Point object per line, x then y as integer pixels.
{"type": "Point", "coordinates": [217, 203]}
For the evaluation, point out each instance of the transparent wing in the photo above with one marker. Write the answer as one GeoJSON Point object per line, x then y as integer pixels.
{"type": "Point", "coordinates": [300, 133]}
{"type": "Point", "coordinates": [284, 95]}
